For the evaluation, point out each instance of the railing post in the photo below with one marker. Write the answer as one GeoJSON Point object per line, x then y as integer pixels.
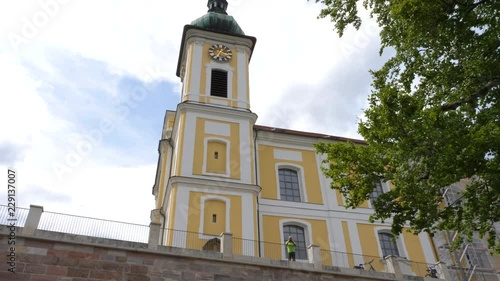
{"type": "Point", "coordinates": [34, 215]}
{"type": "Point", "coordinates": [154, 235]}
{"type": "Point", "coordinates": [393, 266]}
{"type": "Point", "coordinates": [226, 244]}
{"type": "Point", "coordinates": [442, 271]}
{"type": "Point", "coordinates": [314, 255]}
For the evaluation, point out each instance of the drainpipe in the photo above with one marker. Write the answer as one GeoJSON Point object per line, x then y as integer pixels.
{"type": "Point", "coordinates": [257, 183]}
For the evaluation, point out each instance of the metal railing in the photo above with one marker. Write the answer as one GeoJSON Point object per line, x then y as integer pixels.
{"type": "Point", "coordinates": [245, 247]}
{"type": "Point", "coordinates": [79, 225]}
{"type": "Point", "coordinates": [424, 269]}
{"type": "Point", "coordinates": [72, 224]}
{"type": "Point", "coordinates": [350, 260]}
{"type": "Point", "coordinates": [17, 215]}
{"type": "Point", "coordinates": [191, 240]}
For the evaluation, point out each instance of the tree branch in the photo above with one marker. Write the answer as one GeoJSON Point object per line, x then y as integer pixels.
{"type": "Point", "coordinates": [480, 93]}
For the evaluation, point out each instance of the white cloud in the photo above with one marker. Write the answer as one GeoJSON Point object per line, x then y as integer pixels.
{"type": "Point", "coordinates": [302, 77]}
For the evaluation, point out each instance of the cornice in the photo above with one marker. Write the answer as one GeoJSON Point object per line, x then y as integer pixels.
{"type": "Point", "coordinates": [213, 183]}
{"type": "Point", "coordinates": [216, 110]}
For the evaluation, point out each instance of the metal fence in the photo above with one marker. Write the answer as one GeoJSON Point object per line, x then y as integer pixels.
{"type": "Point", "coordinates": [245, 247]}
{"type": "Point", "coordinates": [191, 240]}
{"type": "Point", "coordinates": [13, 215]}
{"type": "Point", "coordinates": [93, 227]}
{"type": "Point", "coordinates": [80, 225]}
{"type": "Point", "coordinates": [350, 260]}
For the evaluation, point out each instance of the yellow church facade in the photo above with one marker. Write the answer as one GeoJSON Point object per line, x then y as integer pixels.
{"type": "Point", "coordinates": [219, 172]}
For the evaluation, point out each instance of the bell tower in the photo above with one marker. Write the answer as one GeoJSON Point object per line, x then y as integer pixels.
{"type": "Point", "coordinates": [205, 180]}
{"type": "Point", "coordinates": [214, 58]}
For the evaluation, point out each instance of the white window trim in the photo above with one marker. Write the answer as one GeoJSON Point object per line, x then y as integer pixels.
{"type": "Point", "coordinates": [202, 213]}
{"type": "Point", "coordinates": [220, 66]}
{"type": "Point", "coordinates": [400, 243]}
{"type": "Point", "coordinates": [385, 188]}
{"type": "Point", "coordinates": [300, 176]}
{"type": "Point", "coordinates": [307, 233]}
{"type": "Point", "coordinates": [205, 146]}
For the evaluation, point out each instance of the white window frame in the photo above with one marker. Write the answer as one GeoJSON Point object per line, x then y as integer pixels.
{"type": "Point", "coordinates": [205, 198]}
{"type": "Point", "coordinates": [307, 235]}
{"type": "Point", "coordinates": [205, 146]}
{"type": "Point", "coordinates": [208, 85]}
{"type": "Point", "coordinates": [300, 175]}
{"type": "Point", "coordinates": [400, 243]}
{"type": "Point", "coordinates": [385, 188]}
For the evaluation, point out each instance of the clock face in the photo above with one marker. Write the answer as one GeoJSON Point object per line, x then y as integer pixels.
{"type": "Point", "coordinates": [220, 53]}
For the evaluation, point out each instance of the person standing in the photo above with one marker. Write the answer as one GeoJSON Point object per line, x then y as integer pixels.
{"type": "Point", "coordinates": [290, 247]}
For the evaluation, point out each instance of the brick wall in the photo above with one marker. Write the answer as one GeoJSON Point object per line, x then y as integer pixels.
{"type": "Point", "coordinates": [48, 256]}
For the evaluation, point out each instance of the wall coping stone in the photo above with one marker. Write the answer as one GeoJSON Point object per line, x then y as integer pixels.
{"type": "Point", "coordinates": [59, 237]}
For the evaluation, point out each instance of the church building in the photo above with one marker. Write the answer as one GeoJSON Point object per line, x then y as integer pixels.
{"type": "Point", "coordinates": [220, 172]}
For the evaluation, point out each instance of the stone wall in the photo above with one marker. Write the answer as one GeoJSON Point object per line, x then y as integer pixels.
{"type": "Point", "coordinates": [46, 256]}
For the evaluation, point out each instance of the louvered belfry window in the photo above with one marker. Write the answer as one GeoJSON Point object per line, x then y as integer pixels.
{"type": "Point", "coordinates": [219, 83]}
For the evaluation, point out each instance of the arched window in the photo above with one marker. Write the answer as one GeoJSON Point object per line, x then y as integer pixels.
{"type": "Point", "coordinates": [388, 245]}
{"type": "Point", "coordinates": [297, 233]}
{"type": "Point", "coordinates": [214, 220]}
{"type": "Point", "coordinates": [289, 185]}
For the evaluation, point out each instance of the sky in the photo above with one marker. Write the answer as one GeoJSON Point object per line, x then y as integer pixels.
{"type": "Point", "coordinates": [84, 87]}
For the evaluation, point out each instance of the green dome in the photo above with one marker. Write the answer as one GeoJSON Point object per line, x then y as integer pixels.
{"type": "Point", "coordinates": [218, 22]}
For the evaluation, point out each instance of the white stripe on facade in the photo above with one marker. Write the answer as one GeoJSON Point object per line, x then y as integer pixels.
{"type": "Point", "coordinates": [427, 248]}
{"type": "Point", "coordinates": [188, 148]}
{"type": "Point", "coordinates": [355, 241]}
{"type": "Point", "coordinates": [245, 153]}
{"type": "Point", "coordinates": [242, 79]}
{"type": "Point", "coordinates": [196, 69]}
{"type": "Point", "coordinates": [181, 217]}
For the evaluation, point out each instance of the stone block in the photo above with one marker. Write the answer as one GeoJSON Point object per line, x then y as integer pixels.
{"type": "Point", "coordinates": [15, 276]}
{"type": "Point", "coordinates": [139, 269]}
{"type": "Point", "coordinates": [68, 262]}
{"type": "Point", "coordinates": [117, 253]}
{"type": "Point", "coordinates": [106, 275]}
{"type": "Point", "coordinates": [29, 259]}
{"type": "Point", "coordinates": [137, 277]}
{"type": "Point", "coordinates": [36, 251]}
{"type": "Point", "coordinates": [44, 278]}
{"type": "Point", "coordinates": [84, 249]}
{"type": "Point", "coordinates": [121, 259]}
{"type": "Point", "coordinates": [106, 265]}
{"type": "Point", "coordinates": [64, 247]}
{"type": "Point", "coordinates": [49, 260]}
{"type": "Point", "coordinates": [219, 277]}
{"type": "Point", "coordinates": [56, 270]}
{"type": "Point", "coordinates": [107, 258]}
{"type": "Point", "coordinates": [35, 268]}
{"type": "Point", "coordinates": [78, 272]}
{"type": "Point", "coordinates": [89, 264]}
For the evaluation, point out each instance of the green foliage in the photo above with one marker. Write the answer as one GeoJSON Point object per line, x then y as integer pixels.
{"type": "Point", "coordinates": [433, 116]}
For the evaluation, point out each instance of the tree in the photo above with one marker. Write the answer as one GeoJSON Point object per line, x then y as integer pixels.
{"type": "Point", "coordinates": [433, 116]}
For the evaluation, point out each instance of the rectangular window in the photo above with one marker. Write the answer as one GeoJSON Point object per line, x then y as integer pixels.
{"type": "Point", "coordinates": [218, 84]}
{"type": "Point", "coordinates": [214, 218]}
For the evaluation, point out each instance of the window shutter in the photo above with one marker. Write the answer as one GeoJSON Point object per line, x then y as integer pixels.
{"type": "Point", "coordinates": [218, 86]}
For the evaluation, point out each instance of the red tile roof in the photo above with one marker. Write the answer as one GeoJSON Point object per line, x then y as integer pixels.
{"type": "Point", "coordinates": [306, 134]}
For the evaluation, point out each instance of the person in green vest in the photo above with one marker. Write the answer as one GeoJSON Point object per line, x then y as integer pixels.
{"type": "Point", "coordinates": [290, 248]}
